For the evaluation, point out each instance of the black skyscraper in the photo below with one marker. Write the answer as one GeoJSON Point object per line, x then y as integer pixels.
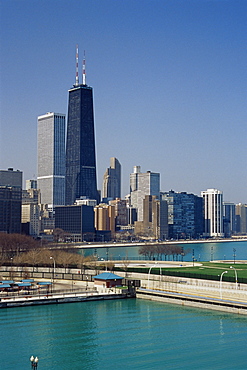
{"type": "Point", "coordinates": [80, 147]}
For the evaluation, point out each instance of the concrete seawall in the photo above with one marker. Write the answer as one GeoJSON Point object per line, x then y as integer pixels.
{"type": "Point", "coordinates": [9, 302]}
{"type": "Point", "coordinates": [193, 301]}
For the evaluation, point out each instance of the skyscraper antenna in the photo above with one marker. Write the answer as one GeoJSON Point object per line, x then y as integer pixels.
{"type": "Point", "coordinates": [84, 69]}
{"type": "Point", "coordinates": [76, 66]}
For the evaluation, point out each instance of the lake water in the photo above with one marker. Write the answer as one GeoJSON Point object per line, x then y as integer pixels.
{"type": "Point", "coordinates": [122, 334]}
{"type": "Point", "coordinates": [202, 251]}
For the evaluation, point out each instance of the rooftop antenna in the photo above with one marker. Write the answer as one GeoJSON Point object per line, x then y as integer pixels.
{"type": "Point", "coordinates": [84, 69]}
{"type": "Point", "coordinates": [76, 66]}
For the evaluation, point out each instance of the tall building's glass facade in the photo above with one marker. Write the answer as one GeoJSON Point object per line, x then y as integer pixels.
{"type": "Point", "coordinates": [51, 159]}
{"type": "Point", "coordinates": [10, 200]}
{"type": "Point", "coordinates": [80, 146]}
{"type": "Point", "coordinates": [185, 214]}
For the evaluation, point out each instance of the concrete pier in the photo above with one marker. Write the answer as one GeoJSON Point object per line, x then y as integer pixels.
{"type": "Point", "coordinates": [57, 298]}
{"type": "Point", "coordinates": [193, 301]}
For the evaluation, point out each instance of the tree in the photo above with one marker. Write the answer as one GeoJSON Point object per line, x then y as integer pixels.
{"type": "Point", "coordinates": [59, 235]}
{"type": "Point", "coordinates": [64, 258]}
{"type": "Point", "coordinates": [148, 251]}
{"type": "Point", "coordinates": [12, 244]}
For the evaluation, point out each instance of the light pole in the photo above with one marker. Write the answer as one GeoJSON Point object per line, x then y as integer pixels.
{"type": "Point", "coordinates": [150, 271]}
{"type": "Point", "coordinates": [234, 255]}
{"type": "Point", "coordinates": [224, 272]}
{"type": "Point", "coordinates": [86, 282]}
{"type": "Point", "coordinates": [34, 362]}
{"type": "Point", "coordinates": [236, 277]}
{"type": "Point", "coordinates": [54, 268]}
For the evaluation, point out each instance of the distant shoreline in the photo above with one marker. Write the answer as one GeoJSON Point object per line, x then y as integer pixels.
{"type": "Point", "coordinates": [92, 245]}
{"type": "Point", "coordinates": [207, 241]}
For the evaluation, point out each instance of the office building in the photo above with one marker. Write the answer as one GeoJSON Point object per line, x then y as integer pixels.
{"type": "Point", "coordinates": [80, 147]}
{"type": "Point", "coordinates": [155, 219]}
{"type": "Point", "coordinates": [30, 212]}
{"type": "Point", "coordinates": [51, 159]}
{"type": "Point", "coordinates": [241, 218]}
{"type": "Point", "coordinates": [121, 211]}
{"type": "Point", "coordinates": [185, 215]}
{"type": "Point", "coordinates": [10, 201]}
{"type": "Point", "coordinates": [112, 180]}
{"type": "Point", "coordinates": [76, 221]}
{"type": "Point", "coordinates": [104, 218]}
{"type": "Point", "coordinates": [86, 202]}
{"type": "Point", "coordinates": [31, 184]}
{"type": "Point", "coordinates": [213, 213]}
{"type": "Point", "coordinates": [229, 219]}
{"type": "Point", "coordinates": [142, 184]}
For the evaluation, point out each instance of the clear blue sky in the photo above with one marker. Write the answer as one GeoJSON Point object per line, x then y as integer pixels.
{"type": "Point", "coordinates": [169, 81]}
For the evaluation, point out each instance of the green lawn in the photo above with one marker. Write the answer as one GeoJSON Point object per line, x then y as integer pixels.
{"type": "Point", "coordinates": [207, 270]}
{"type": "Point", "coordinates": [211, 271]}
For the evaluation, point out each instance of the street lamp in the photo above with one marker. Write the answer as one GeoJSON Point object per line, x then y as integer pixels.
{"type": "Point", "coordinates": [224, 272]}
{"type": "Point", "coordinates": [236, 277]}
{"type": "Point", "coordinates": [34, 362]}
{"type": "Point", "coordinates": [54, 268]}
{"type": "Point", "coordinates": [150, 271]}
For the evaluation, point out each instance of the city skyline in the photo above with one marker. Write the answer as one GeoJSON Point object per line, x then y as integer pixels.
{"type": "Point", "coordinates": [169, 83]}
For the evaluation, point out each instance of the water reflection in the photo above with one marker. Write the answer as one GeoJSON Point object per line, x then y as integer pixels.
{"type": "Point", "coordinates": [221, 340]}
{"type": "Point", "coordinates": [122, 334]}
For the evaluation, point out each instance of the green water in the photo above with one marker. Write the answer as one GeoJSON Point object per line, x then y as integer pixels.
{"type": "Point", "coordinates": [122, 334]}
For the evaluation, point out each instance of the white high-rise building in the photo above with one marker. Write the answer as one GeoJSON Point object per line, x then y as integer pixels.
{"type": "Point", "coordinates": [51, 159]}
{"type": "Point", "coordinates": [213, 212]}
{"type": "Point", "coordinates": [142, 184]}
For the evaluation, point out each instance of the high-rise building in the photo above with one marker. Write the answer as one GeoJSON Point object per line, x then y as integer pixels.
{"type": "Point", "coordinates": [31, 184]}
{"type": "Point", "coordinates": [155, 218]}
{"type": "Point", "coordinates": [241, 218]}
{"type": "Point", "coordinates": [104, 217]}
{"type": "Point", "coordinates": [30, 212]}
{"type": "Point", "coordinates": [229, 219]}
{"type": "Point", "coordinates": [213, 212]}
{"type": "Point", "coordinates": [112, 180]}
{"type": "Point", "coordinates": [76, 221]}
{"type": "Point", "coordinates": [142, 184]}
{"type": "Point", "coordinates": [51, 159]}
{"type": "Point", "coordinates": [10, 201]}
{"type": "Point", "coordinates": [185, 214]}
{"type": "Point", "coordinates": [121, 211]}
{"type": "Point", "coordinates": [80, 147]}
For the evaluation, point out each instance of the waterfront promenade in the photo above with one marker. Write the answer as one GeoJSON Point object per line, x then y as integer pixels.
{"type": "Point", "coordinates": [61, 291]}
{"type": "Point", "coordinates": [75, 287]}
